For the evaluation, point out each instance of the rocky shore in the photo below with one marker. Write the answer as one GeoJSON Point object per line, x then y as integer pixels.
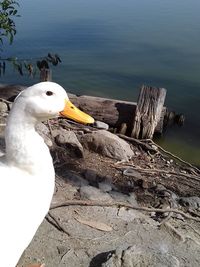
{"type": "Point", "coordinates": [118, 201]}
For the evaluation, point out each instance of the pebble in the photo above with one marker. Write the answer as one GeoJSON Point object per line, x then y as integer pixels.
{"type": "Point", "coordinates": [76, 179]}
{"type": "Point", "coordinates": [93, 193]}
{"type": "Point", "coordinates": [101, 125]}
{"type": "Point", "coordinates": [3, 108]}
{"type": "Point", "coordinates": [105, 187]}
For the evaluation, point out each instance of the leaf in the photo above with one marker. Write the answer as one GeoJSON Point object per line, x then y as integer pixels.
{"type": "Point", "coordinates": [57, 57]}
{"type": "Point", "coordinates": [97, 225]}
{"type": "Point", "coordinates": [42, 64]}
{"type": "Point", "coordinates": [4, 67]}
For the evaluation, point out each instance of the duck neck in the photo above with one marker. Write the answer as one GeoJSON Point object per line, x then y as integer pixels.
{"type": "Point", "coordinates": [25, 148]}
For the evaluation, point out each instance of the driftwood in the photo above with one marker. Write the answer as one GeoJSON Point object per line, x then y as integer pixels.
{"type": "Point", "coordinates": [117, 113]}
{"type": "Point", "coordinates": [148, 111]}
{"type": "Point", "coordinates": [76, 202]}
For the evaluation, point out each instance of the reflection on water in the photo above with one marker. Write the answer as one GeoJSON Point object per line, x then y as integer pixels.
{"type": "Point", "coordinates": [110, 48]}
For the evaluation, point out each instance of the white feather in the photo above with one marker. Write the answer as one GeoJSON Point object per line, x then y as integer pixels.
{"type": "Point", "coordinates": [26, 170]}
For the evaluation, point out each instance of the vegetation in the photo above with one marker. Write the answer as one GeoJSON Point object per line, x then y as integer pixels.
{"type": "Point", "coordinates": [8, 12]}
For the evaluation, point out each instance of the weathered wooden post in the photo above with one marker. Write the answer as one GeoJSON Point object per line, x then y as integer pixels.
{"type": "Point", "coordinates": [148, 111]}
{"type": "Point", "coordinates": [45, 75]}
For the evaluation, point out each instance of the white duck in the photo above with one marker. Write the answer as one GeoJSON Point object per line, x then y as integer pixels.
{"type": "Point", "coordinates": [26, 169]}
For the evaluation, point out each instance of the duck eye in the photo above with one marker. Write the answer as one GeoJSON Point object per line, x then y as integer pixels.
{"type": "Point", "coordinates": [49, 93]}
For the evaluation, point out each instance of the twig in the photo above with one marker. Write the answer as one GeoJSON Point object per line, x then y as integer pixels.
{"type": "Point", "coordinates": [50, 129]}
{"type": "Point", "coordinates": [4, 100]}
{"type": "Point", "coordinates": [166, 219]}
{"type": "Point", "coordinates": [194, 212]}
{"type": "Point", "coordinates": [173, 230]}
{"type": "Point", "coordinates": [174, 156]}
{"type": "Point", "coordinates": [137, 142]}
{"type": "Point", "coordinates": [55, 223]}
{"type": "Point", "coordinates": [164, 171]}
{"type": "Point", "coordinates": [190, 226]}
{"type": "Point", "coordinates": [119, 204]}
{"type": "Point", "coordinates": [85, 129]}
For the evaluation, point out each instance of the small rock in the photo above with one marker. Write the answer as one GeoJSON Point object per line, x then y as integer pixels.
{"type": "Point", "coordinates": [190, 202]}
{"type": "Point", "coordinates": [91, 176]}
{"type": "Point", "coordinates": [70, 141]}
{"type": "Point", "coordinates": [107, 144]}
{"type": "Point", "coordinates": [136, 256]}
{"type": "Point", "coordinates": [101, 125]}
{"type": "Point", "coordinates": [133, 173]}
{"type": "Point", "coordinates": [75, 179]}
{"type": "Point", "coordinates": [132, 199]}
{"type": "Point", "coordinates": [93, 193]}
{"type": "Point", "coordinates": [105, 187]}
{"type": "Point", "coordinates": [44, 132]}
{"type": "Point", "coordinates": [3, 107]}
{"type": "Point", "coordinates": [41, 128]}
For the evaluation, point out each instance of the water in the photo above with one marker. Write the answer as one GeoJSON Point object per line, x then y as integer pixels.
{"type": "Point", "coordinates": [111, 47]}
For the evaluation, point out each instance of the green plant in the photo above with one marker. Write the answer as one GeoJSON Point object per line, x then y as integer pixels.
{"type": "Point", "coordinates": [29, 66]}
{"type": "Point", "coordinates": [8, 11]}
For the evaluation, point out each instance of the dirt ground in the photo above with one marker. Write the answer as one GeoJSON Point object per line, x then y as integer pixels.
{"type": "Point", "coordinates": [157, 181]}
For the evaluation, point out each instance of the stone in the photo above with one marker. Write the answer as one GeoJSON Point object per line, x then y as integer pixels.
{"type": "Point", "coordinates": [2, 126]}
{"type": "Point", "coordinates": [190, 202]}
{"type": "Point", "coordinates": [73, 178]}
{"type": "Point", "coordinates": [105, 186]}
{"type": "Point", "coordinates": [101, 125]}
{"type": "Point", "coordinates": [91, 176]}
{"type": "Point", "coordinates": [133, 173]}
{"type": "Point", "coordinates": [43, 131]}
{"type": "Point", "coordinates": [3, 107]}
{"type": "Point", "coordinates": [107, 144]}
{"type": "Point", "coordinates": [126, 198]}
{"type": "Point", "coordinates": [93, 193]}
{"type": "Point", "coordinates": [70, 142]}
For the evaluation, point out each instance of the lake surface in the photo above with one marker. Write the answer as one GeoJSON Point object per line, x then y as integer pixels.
{"type": "Point", "coordinates": [111, 47]}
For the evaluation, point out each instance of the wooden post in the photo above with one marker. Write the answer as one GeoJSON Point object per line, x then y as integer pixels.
{"type": "Point", "coordinates": [45, 75]}
{"type": "Point", "coordinates": [148, 111]}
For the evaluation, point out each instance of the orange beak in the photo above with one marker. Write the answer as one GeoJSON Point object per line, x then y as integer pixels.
{"type": "Point", "coordinates": [72, 112]}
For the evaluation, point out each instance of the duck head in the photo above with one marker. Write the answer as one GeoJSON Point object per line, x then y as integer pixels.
{"type": "Point", "coordinates": [47, 100]}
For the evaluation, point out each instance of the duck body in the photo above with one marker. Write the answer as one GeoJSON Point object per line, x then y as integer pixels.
{"type": "Point", "coordinates": [26, 170]}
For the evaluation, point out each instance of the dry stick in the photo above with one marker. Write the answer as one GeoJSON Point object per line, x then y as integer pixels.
{"type": "Point", "coordinates": [172, 155]}
{"type": "Point", "coordinates": [50, 129]}
{"type": "Point", "coordinates": [55, 223]}
{"type": "Point", "coordinates": [190, 226]}
{"type": "Point", "coordinates": [190, 184]}
{"type": "Point", "coordinates": [87, 130]}
{"type": "Point", "coordinates": [160, 171]}
{"type": "Point", "coordinates": [174, 230]}
{"type": "Point", "coordinates": [80, 125]}
{"type": "Point", "coordinates": [193, 212]}
{"type": "Point", "coordinates": [143, 144]}
{"type": "Point", "coordinates": [136, 141]}
{"type": "Point", "coordinates": [166, 172]}
{"type": "Point", "coordinates": [5, 101]}
{"type": "Point", "coordinates": [119, 204]}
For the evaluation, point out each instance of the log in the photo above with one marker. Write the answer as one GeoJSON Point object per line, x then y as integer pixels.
{"type": "Point", "coordinates": [148, 111]}
{"type": "Point", "coordinates": [111, 111]}
{"type": "Point", "coordinates": [116, 113]}
{"type": "Point", "coordinates": [45, 75]}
